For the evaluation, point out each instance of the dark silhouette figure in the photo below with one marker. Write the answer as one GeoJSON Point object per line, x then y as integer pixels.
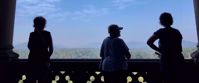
{"type": "Point", "coordinates": [41, 48]}
{"type": "Point", "coordinates": [169, 50]}
{"type": "Point", "coordinates": [114, 53]}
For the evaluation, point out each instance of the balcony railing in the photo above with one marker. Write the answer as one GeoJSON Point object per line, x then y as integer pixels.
{"type": "Point", "coordinates": [86, 71]}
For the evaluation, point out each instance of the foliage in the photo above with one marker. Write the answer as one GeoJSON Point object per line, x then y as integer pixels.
{"type": "Point", "coordinates": [93, 53]}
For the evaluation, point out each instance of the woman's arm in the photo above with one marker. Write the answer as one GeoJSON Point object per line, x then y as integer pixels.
{"type": "Point", "coordinates": [128, 55]}
{"type": "Point", "coordinates": [125, 49]}
{"type": "Point", "coordinates": [102, 51]}
{"type": "Point", "coordinates": [50, 44]}
{"type": "Point", "coordinates": [30, 42]}
{"type": "Point", "coordinates": [151, 44]}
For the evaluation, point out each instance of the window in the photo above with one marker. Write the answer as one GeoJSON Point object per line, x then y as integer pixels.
{"type": "Point", "coordinates": [78, 27]}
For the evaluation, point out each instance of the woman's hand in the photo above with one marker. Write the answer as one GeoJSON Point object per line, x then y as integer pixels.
{"type": "Point", "coordinates": [158, 53]}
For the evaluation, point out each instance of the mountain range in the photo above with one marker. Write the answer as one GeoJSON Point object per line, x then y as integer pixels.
{"type": "Point", "coordinates": [132, 44]}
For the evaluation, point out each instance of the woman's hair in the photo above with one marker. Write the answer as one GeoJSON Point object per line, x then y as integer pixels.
{"type": "Point", "coordinates": [166, 19]}
{"type": "Point", "coordinates": [39, 22]}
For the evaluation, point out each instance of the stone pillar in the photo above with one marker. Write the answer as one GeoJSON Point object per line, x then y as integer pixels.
{"type": "Point", "coordinates": [196, 9]}
{"type": "Point", "coordinates": [195, 55]}
{"type": "Point", "coordinates": [7, 56]}
{"type": "Point", "coordinates": [7, 15]}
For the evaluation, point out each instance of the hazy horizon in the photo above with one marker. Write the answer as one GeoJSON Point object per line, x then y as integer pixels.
{"type": "Point", "coordinates": [75, 23]}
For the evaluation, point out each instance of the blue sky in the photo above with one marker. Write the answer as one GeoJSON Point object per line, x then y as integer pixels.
{"type": "Point", "coordinates": [79, 23]}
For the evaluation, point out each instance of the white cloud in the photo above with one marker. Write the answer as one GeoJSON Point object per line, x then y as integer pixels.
{"type": "Point", "coordinates": [121, 4]}
{"type": "Point", "coordinates": [89, 13]}
{"type": "Point", "coordinates": [52, 9]}
{"type": "Point", "coordinates": [37, 7]}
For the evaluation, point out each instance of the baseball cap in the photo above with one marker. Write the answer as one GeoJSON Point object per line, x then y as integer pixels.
{"type": "Point", "coordinates": [114, 27]}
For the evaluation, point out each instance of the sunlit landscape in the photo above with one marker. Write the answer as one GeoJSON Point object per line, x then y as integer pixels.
{"type": "Point", "coordinates": [79, 27]}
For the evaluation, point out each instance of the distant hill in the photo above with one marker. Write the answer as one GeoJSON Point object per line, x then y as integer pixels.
{"type": "Point", "coordinates": [187, 44]}
{"type": "Point", "coordinates": [132, 44]}
{"type": "Point", "coordinates": [93, 45]}
{"type": "Point", "coordinates": [21, 46]}
{"type": "Point", "coordinates": [25, 46]}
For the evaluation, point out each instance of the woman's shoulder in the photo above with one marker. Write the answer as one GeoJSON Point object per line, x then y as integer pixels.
{"type": "Point", "coordinates": [32, 33]}
{"type": "Point", "coordinates": [161, 29]}
{"type": "Point", "coordinates": [113, 39]}
{"type": "Point", "coordinates": [176, 30]}
{"type": "Point", "coordinates": [45, 31]}
{"type": "Point", "coordinates": [119, 40]}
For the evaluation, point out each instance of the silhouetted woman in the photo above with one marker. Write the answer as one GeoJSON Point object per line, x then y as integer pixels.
{"type": "Point", "coordinates": [114, 53]}
{"type": "Point", "coordinates": [169, 49]}
{"type": "Point", "coordinates": [41, 48]}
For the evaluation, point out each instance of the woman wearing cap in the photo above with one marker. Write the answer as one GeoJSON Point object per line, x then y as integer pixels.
{"type": "Point", "coordinates": [41, 48]}
{"type": "Point", "coordinates": [114, 53]}
{"type": "Point", "coordinates": [169, 49]}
